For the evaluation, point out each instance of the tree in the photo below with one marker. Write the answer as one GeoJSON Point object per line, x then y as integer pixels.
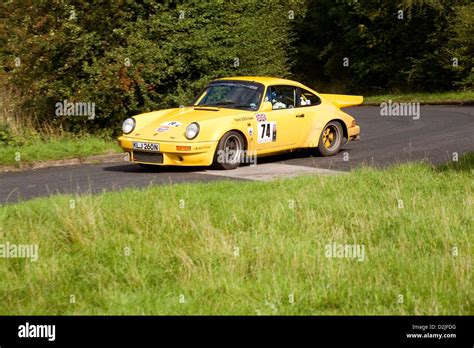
{"type": "Point", "coordinates": [131, 57]}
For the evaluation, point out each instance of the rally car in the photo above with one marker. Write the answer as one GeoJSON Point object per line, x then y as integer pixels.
{"type": "Point", "coordinates": [236, 118]}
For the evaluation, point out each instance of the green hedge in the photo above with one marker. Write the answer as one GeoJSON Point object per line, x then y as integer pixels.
{"type": "Point", "coordinates": [129, 57]}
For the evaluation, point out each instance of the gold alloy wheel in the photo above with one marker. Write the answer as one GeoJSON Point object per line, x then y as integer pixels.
{"type": "Point", "coordinates": [330, 136]}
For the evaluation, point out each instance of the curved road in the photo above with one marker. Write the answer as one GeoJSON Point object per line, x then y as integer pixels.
{"type": "Point", "coordinates": [385, 140]}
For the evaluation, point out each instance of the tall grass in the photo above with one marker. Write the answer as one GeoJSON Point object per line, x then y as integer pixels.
{"type": "Point", "coordinates": [21, 124]}
{"type": "Point", "coordinates": [25, 140]}
{"type": "Point", "coordinates": [454, 97]}
{"type": "Point", "coordinates": [250, 247]}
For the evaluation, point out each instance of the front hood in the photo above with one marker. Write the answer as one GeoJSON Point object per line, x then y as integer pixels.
{"type": "Point", "coordinates": [170, 125]}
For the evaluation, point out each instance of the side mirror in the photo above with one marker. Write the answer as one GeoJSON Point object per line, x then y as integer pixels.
{"type": "Point", "coordinates": [267, 106]}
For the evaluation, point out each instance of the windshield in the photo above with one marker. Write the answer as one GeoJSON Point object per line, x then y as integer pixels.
{"type": "Point", "coordinates": [232, 94]}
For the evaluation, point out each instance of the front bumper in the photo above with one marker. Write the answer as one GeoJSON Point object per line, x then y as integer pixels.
{"type": "Point", "coordinates": [172, 153]}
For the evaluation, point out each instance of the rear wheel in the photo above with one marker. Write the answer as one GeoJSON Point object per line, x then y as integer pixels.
{"type": "Point", "coordinates": [330, 140]}
{"type": "Point", "coordinates": [229, 151]}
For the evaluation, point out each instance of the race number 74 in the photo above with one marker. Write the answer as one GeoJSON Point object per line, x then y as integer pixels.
{"type": "Point", "coordinates": [266, 132]}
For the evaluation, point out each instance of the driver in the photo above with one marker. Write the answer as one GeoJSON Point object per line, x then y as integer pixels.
{"type": "Point", "coordinates": [275, 99]}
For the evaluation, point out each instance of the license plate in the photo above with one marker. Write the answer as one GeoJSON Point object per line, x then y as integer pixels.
{"type": "Point", "coordinates": [146, 146]}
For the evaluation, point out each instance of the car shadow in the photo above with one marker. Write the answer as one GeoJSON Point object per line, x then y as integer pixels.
{"type": "Point", "coordinates": [302, 153]}
{"type": "Point", "coordinates": [135, 168]}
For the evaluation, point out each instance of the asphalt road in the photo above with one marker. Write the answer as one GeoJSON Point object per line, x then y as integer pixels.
{"type": "Point", "coordinates": [385, 140]}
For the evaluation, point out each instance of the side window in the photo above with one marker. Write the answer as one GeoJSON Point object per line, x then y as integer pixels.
{"type": "Point", "coordinates": [281, 97]}
{"type": "Point", "coordinates": [308, 99]}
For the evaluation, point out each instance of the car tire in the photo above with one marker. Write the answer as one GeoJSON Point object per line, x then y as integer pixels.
{"type": "Point", "coordinates": [330, 140]}
{"type": "Point", "coordinates": [224, 158]}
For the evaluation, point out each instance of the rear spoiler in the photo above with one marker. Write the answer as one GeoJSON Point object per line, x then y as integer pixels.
{"type": "Point", "coordinates": [343, 101]}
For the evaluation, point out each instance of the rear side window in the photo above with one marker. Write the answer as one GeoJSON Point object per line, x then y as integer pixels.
{"type": "Point", "coordinates": [308, 99]}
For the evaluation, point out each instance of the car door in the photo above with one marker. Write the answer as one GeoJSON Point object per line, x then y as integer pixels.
{"type": "Point", "coordinates": [280, 128]}
{"type": "Point", "coordinates": [308, 107]}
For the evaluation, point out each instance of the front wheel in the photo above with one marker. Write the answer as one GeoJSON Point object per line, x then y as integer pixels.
{"type": "Point", "coordinates": [230, 151]}
{"type": "Point", "coordinates": [330, 140]}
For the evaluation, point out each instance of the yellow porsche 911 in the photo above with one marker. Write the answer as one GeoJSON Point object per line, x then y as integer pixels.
{"type": "Point", "coordinates": [236, 118]}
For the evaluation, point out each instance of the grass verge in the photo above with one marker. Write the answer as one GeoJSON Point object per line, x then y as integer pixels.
{"type": "Point", "coordinates": [466, 97]}
{"type": "Point", "coordinates": [55, 149]}
{"type": "Point", "coordinates": [250, 247]}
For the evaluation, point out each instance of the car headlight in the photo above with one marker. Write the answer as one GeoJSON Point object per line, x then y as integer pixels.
{"type": "Point", "coordinates": [192, 130]}
{"type": "Point", "coordinates": [128, 125]}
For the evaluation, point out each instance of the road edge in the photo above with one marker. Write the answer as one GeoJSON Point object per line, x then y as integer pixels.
{"type": "Point", "coordinates": [107, 158]}
{"type": "Point", "coordinates": [447, 103]}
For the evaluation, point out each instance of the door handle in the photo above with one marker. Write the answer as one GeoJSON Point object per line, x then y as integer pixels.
{"type": "Point", "coordinates": [299, 115]}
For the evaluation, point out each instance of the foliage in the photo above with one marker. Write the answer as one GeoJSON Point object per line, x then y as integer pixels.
{"type": "Point", "coordinates": [461, 45]}
{"type": "Point", "coordinates": [6, 135]}
{"type": "Point", "coordinates": [130, 57]}
{"type": "Point", "coordinates": [391, 46]}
